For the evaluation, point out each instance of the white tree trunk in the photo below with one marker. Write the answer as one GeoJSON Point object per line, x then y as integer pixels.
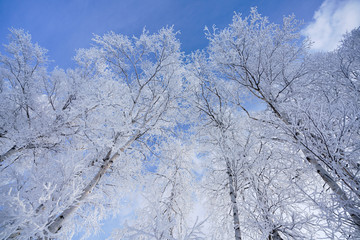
{"type": "Point", "coordinates": [233, 197]}
{"type": "Point", "coordinates": [55, 225]}
{"type": "Point", "coordinates": [346, 204]}
{"type": "Point", "coordinates": [345, 201]}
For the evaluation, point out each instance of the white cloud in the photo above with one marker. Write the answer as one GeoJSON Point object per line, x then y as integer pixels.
{"type": "Point", "coordinates": [333, 19]}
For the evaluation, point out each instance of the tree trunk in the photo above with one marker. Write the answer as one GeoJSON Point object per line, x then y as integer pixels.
{"type": "Point", "coordinates": [55, 225]}
{"type": "Point", "coordinates": [233, 196]}
{"type": "Point", "coordinates": [345, 201]}
{"type": "Point", "coordinates": [346, 204]}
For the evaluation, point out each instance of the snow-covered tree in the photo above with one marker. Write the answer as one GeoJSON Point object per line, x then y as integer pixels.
{"type": "Point", "coordinates": [124, 90]}
{"type": "Point", "coordinates": [261, 177]}
{"type": "Point", "coordinates": [309, 103]}
{"type": "Point", "coordinates": [75, 144]}
{"type": "Point", "coordinates": [168, 199]}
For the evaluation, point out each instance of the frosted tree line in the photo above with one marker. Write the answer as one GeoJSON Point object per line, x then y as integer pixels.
{"type": "Point", "coordinates": [253, 137]}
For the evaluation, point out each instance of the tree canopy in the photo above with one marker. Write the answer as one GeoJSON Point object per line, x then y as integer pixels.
{"type": "Point", "coordinates": [177, 138]}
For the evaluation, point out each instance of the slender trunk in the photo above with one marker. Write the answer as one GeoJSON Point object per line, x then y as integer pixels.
{"type": "Point", "coordinates": [346, 204]}
{"type": "Point", "coordinates": [233, 196]}
{"type": "Point", "coordinates": [328, 179]}
{"type": "Point", "coordinates": [55, 225]}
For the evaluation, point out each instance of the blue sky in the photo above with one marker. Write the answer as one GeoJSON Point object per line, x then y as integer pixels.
{"type": "Point", "coordinates": [64, 26]}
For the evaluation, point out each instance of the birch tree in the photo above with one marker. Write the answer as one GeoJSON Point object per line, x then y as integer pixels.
{"type": "Point", "coordinates": [241, 164]}
{"type": "Point", "coordinates": [271, 62]}
{"type": "Point", "coordinates": [125, 91]}
{"type": "Point", "coordinates": [215, 114]}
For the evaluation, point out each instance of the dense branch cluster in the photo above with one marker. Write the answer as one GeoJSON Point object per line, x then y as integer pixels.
{"type": "Point", "coordinates": [254, 137]}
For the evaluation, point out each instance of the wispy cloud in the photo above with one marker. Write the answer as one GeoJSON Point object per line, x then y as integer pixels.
{"type": "Point", "coordinates": [333, 19]}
